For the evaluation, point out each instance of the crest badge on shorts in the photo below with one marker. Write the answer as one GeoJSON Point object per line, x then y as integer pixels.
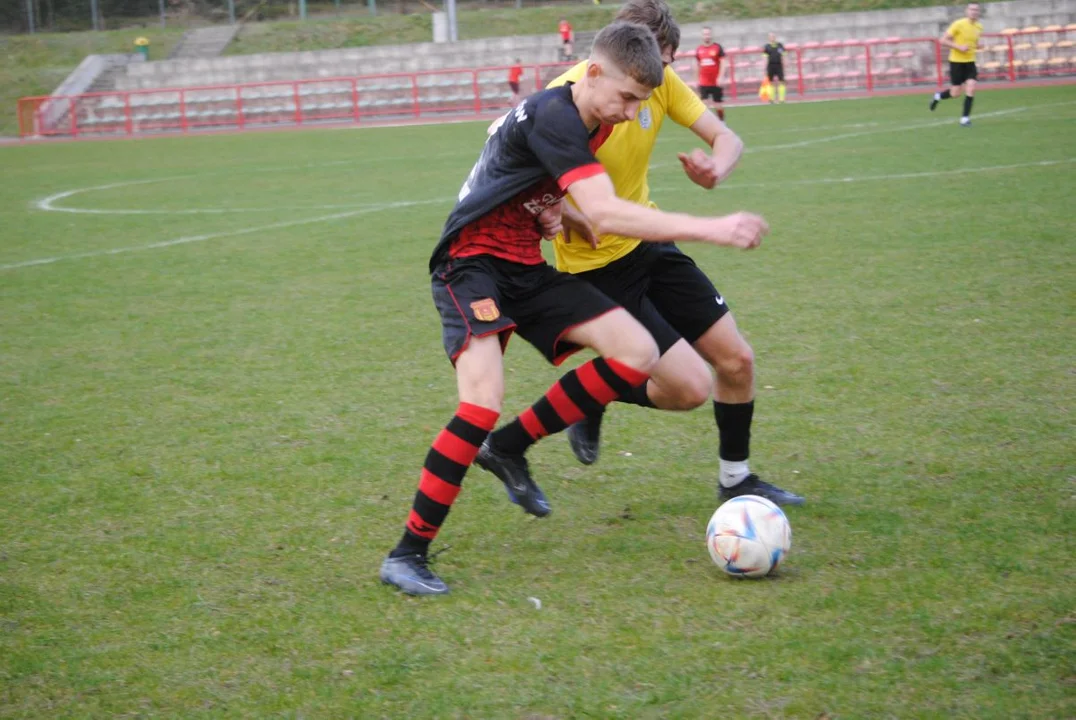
{"type": "Point", "coordinates": [644, 118]}
{"type": "Point", "coordinates": [485, 310]}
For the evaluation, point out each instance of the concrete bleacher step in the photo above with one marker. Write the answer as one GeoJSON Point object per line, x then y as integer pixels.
{"type": "Point", "coordinates": [106, 81]}
{"type": "Point", "coordinates": [204, 42]}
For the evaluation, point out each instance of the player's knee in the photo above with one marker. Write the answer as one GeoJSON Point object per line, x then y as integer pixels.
{"type": "Point", "coordinates": [736, 367]}
{"type": "Point", "coordinates": [484, 392]}
{"type": "Point", "coordinates": [639, 352]}
{"type": "Point", "coordinates": [693, 390]}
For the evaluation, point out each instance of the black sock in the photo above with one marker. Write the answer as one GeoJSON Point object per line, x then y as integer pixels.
{"type": "Point", "coordinates": [734, 429]}
{"type": "Point", "coordinates": [410, 544]}
{"type": "Point", "coordinates": [967, 105]}
{"type": "Point", "coordinates": [637, 396]}
{"type": "Point", "coordinates": [946, 95]}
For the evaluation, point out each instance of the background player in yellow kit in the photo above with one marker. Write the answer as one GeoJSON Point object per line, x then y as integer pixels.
{"type": "Point", "coordinates": [962, 39]}
{"type": "Point", "coordinates": [662, 286]}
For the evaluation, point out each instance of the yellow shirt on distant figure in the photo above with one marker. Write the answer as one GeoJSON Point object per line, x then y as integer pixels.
{"type": "Point", "coordinates": [964, 32]}
{"type": "Point", "coordinates": [626, 158]}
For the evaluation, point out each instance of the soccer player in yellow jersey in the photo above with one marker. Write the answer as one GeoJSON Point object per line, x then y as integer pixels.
{"type": "Point", "coordinates": [662, 286]}
{"type": "Point", "coordinates": [962, 39]}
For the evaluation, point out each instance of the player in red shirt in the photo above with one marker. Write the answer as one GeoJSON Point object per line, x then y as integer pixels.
{"type": "Point", "coordinates": [490, 281]}
{"type": "Point", "coordinates": [711, 73]}
{"type": "Point", "coordinates": [567, 38]}
{"type": "Point", "coordinates": [514, 74]}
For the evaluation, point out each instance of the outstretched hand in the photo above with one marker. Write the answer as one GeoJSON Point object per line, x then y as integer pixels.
{"type": "Point", "coordinates": [743, 230]}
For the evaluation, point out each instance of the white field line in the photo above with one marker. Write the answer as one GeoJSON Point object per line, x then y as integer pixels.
{"type": "Point", "coordinates": [880, 130]}
{"type": "Point", "coordinates": [228, 233]}
{"type": "Point", "coordinates": [847, 136]}
{"type": "Point", "coordinates": [889, 176]}
{"type": "Point", "coordinates": [48, 203]}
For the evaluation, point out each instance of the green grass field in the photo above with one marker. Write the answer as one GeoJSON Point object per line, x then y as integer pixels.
{"type": "Point", "coordinates": [222, 372]}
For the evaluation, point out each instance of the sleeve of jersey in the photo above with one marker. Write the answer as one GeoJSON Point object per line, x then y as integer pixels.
{"type": "Point", "coordinates": [953, 29]}
{"type": "Point", "coordinates": [559, 141]}
{"type": "Point", "coordinates": [684, 108]}
{"type": "Point", "coordinates": [573, 74]}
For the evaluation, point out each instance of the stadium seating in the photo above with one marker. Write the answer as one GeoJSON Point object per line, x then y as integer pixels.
{"type": "Point", "coordinates": [814, 66]}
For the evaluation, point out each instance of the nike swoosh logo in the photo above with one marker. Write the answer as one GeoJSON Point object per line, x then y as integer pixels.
{"type": "Point", "coordinates": [418, 581]}
{"type": "Point", "coordinates": [720, 300]}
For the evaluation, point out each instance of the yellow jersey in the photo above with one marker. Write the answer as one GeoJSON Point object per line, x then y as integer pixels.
{"type": "Point", "coordinates": [626, 158]}
{"type": "Point", "coordinates": [964, 32]}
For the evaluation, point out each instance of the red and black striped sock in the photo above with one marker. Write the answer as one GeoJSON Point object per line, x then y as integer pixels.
{"type": "Point", "coordinates": [452, 453]}
{"type": "Point", "coordinates": [583, 392]}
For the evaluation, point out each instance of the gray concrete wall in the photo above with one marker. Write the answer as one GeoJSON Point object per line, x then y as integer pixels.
{"type": "Point", "coordinates": [918, 22]}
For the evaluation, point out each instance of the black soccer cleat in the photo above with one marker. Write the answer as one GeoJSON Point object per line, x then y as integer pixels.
{"type": "Point", "coordinates": [753, 485]}
{"type": "Point", "coordinates": [934, 103]}
{"type": "Point", "coordinates": [412, 574]}
{"type": "Point", "coordinates": [585, 439]}
{"type": "Point", "coordinates": [513, 471]}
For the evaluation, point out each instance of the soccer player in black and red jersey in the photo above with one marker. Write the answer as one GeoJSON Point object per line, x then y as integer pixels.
{"type": "Point", "coordinates": [709, 56]}
{"type": "Point", "coordinates": [489, 280]}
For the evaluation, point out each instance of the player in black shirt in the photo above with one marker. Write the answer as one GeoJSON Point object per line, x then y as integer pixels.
{"type": "Point", "coordinates": [775, 67]}
{"type": "Point", "coordinates": [489, 280]}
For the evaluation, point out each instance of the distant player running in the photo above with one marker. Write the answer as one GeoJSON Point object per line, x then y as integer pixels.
{"type": "Point", "coordinates": [567, 39]}
{"type": "Point", "coordinates": [775, 68]}
{"type": "Point", "coordinates": [514, 74]}
{"type": "Point", "coordinates": [711, 72]}
{"type": "Point", "coordinates": [962, 39]}
{"type": "Point", "coordinates": [489, 280]}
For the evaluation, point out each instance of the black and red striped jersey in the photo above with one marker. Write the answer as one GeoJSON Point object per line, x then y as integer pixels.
{"type": "Point", "coordinates": [540, 148]}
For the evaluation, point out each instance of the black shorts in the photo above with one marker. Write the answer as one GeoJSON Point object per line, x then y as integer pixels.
{"type": "Point", "coordinates": [711, 91]}
{"type": "Point", "coordinates": [664, 289]}
{"type": "Point", "coordinates": [514, 86]}
{"type": "Point", "coordinates": [484, 295]}
{"type": "Point", "coordinates": [961, 72]}
{"type": "Point", "coordinates": [775, 72]}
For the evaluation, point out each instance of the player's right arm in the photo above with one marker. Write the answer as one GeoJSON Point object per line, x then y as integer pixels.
{"type": "Point", "coordinates": [561, 144]}
{"type": "Point", "coordinates": [610, 215]}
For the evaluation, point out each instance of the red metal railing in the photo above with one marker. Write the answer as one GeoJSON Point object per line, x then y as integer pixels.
{"type": "Point", "coordinates": [852, 66]}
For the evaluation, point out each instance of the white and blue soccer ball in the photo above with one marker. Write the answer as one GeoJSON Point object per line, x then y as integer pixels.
{"type": "Point", "coordinates": [748, 536]}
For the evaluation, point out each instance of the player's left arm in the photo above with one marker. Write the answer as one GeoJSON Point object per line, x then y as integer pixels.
{"type": "Point", "coordinates": [726, 147]}
{"type": "Point", "coordinates": [685, 109]}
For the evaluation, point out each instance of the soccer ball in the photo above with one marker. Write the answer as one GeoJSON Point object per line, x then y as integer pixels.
{"type": "Point", "coordinates": [748, 536]}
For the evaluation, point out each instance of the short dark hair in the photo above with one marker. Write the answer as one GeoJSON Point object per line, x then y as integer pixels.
{"type": "Point", "coordinates": [657, 16]}
{"type": "Point", "coordinates": [634, 49]}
